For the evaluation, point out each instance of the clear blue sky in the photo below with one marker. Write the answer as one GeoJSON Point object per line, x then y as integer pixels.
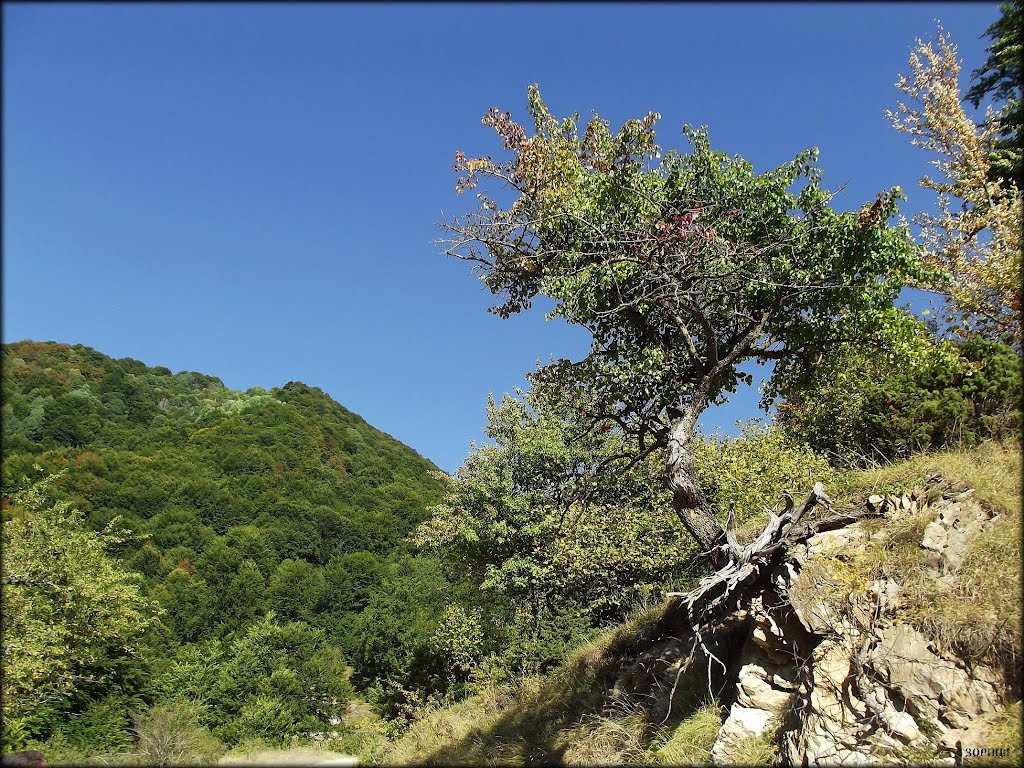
{"type": "Point", "coordinates": [252, 191]}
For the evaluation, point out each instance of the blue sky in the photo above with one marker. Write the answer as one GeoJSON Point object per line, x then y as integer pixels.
{"type": "Point", "coordinates": [253, 191]}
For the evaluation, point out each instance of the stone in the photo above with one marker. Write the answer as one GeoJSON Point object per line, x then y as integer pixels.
{"type": "Point", "coordinates": [754, 690]}
{"type": "Point", "coordinates": [975, 735]}
{"type": "Point", "coordinates": [935, 536]}
{"type": "Point", "coordinates": [28, 759]}
{"type": "Point", "coordinates": [741, 724]}
{"type": "Point", "coordinates": [936, 690]}
{"type": "Point", "coordinates": [802, 674]}
{"type": "Point", "coordinates": [888, 592]}
{"type": "Point", "coordinates": [900, 724]}
{"type": "Point", "coordinates": [752, 720]}
{"type": "Point", "coordinates": [823, 750]}
{"type": "Point", "coordinates": [949, 535]}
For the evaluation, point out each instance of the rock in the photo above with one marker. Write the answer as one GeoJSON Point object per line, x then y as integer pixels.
{"type": "Point", "coordinates": [888, 593]}
{"type": "Point", "coordinates": [824, 749]}
{"type": "Point", "coordinates": [836, 541]}
{"type": "Point", "coordinates": [900, 724]}
{"type": "Point", "coordinates": [29, 759]}
{"type": "Point", "coordinates": [935, 536]}
{"type": "Point", "coordinates": [972, 736]}
{"type": "Point", "coordinates": [749, 719]}
{"type": "Point", "coordinates": [951, 532]}
{"type": "Point", "coordinates": [755, 690]}
{"type": "Point", "coordinates": [935, 690]}
{"type": "Point", "coordinates": [741, 724]}
{"type": "Point", "coordinates": [813, 641]}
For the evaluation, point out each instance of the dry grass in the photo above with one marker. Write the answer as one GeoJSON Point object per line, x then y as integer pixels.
{"type": "Point", "coordinates": [607, 740]}
{"type": "Point", "coordinates": [438, 730]}
{"type": "Point", "coordinates": [561, 717]}
{"type": "Point", "coordinates": [1005, 734]}
{"type": "Point", "coordinates": [992, 469]}
{"type": "Point", "coordinates": [297, 756]}
{"type": "Point", "coordinates": [980, 618]}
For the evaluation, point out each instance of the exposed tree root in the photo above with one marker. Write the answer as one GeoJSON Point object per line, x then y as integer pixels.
{"type": "Point", "coordinates": [722, 590]}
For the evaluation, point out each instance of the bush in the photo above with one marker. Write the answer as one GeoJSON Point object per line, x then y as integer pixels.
{"type": "Point", "coordinates": [860, 410]}
{"type": "Point", "coordinates": [752, 470]}
{"type": "Point", "coordinates": [173, 733]}
{"type": "Point", "coordinates": [102, 727]}
{"type": "Point", "coordinates": [267, 718]}
{"type": "Point", "coordinates": [272, 682]}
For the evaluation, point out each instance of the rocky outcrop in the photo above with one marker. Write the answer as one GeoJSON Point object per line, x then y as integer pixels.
{"type": "Point", "coordinates": [875, 685]}
{"type": "Point", "coordinates": [821, 658]}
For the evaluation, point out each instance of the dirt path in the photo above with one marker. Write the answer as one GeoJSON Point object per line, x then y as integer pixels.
{"type": "Point", "coordinates": [291, 757]}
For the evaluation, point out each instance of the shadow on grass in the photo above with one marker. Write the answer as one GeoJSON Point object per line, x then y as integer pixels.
{"type": "Point", "coordinates": [573, 716]}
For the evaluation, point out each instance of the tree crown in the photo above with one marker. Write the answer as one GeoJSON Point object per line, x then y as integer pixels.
{"type": "Point", "coordinates": [681, 265]}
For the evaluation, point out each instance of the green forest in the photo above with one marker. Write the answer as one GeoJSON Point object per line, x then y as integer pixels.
{"type": "Point", "coordinates": [247, 542]}
{"type": "Point", "coordinates": [191, 572]}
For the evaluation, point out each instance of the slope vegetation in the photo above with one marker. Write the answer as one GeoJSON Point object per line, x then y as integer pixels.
{"type": "Point", "coordinates": [637, 696]}
{"type": "Point", "coordinates": [266, 527]}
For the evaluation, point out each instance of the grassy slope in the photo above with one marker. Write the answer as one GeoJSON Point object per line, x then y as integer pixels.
{"type": "Point", "coordinates": [560, 718]}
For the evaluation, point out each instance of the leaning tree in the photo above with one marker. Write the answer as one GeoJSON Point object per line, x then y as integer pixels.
{"type": "Point", "coordinates": [682, 266]}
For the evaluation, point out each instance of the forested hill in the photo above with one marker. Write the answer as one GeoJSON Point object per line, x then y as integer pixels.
{"type": "Point", "coordinates": [166, 450]}
{"type": "Point", "coordinates": [274, 520]}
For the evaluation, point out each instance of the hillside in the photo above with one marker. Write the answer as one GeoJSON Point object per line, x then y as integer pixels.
{"type": "Point", "coordinates": [145, 442]}
{"type": "Point", "coordinates": [904, 608]}
{"type": "Point", "coordinates": [273, 517]}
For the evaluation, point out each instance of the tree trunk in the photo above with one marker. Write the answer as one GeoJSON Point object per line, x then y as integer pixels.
{"type": "Point", "coordinates": [688, 500]}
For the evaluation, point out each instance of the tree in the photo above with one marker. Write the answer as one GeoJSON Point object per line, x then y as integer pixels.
{"type": "Point", "coordinates": [272, 680]}
{"type": "Point", "coordinates": [74, 620]}
{"type": "Point", "coordinates": [975, 245]}
{"type": "Point", "coordinates": [532, 525]}
{"type": "Point", "coordinates": [1000, 78]}
{"type": "Point", "coordinates": [681, 266]}
{"type": "Point", "coordinates": [296, 590]}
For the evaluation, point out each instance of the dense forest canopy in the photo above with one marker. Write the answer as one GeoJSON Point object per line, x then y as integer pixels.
{"type": "Point", "coordinates": [233, 517]}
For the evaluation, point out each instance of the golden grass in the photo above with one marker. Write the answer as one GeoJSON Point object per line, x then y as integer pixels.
{"type": "Point", "coordinates": [607, 740]}
{"type": "Point", "coordinates": [440, 729]}
{"type": "Point", "coordinates": [980, 617]}
{"type": "Point", "coordinates": [992, 469]}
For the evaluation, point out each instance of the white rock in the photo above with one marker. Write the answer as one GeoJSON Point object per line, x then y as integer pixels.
{"type": "Point", "coordinates": [754, 691]}
{"type": "Point", "coordinates": [900, 724]}
{"type": "Point", "coordinates": [935, 536]}
{"type": "Point", "coordinates": [741, 724]}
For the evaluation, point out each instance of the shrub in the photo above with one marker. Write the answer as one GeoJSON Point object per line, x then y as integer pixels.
{"type": "Point", "coordinates": [860, 410]}
{"type": "Point", "coordinates": [268, 718]}
{"type": "Point", "coordinates": [752, 470]}
{"type": "Point", "coordinates": [102, 727]}
{"type": "Point", "coordinates": [173, 733]}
